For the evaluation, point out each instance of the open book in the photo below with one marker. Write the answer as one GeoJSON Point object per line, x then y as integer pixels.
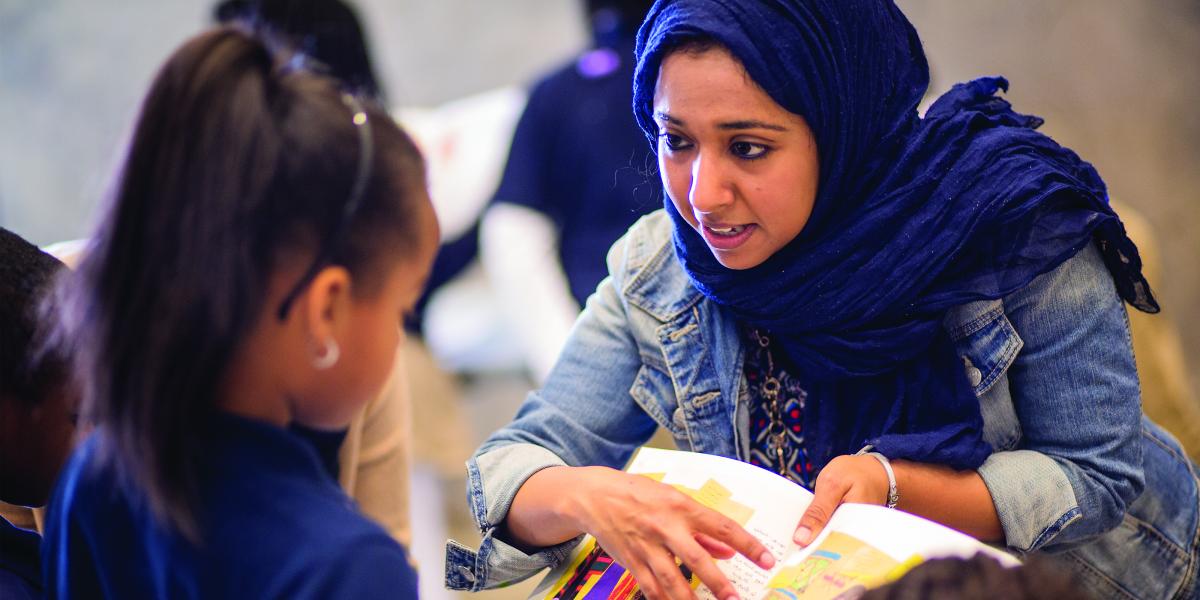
{"type": "Point", "coordinates": [863, 546]}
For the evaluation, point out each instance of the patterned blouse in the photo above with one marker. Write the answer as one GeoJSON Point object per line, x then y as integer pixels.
{"type": "Point", "coordinates": [763, 453]}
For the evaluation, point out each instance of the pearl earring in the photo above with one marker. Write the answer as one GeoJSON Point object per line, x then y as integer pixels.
{"type": "Point", "coordinates": [329, 356]}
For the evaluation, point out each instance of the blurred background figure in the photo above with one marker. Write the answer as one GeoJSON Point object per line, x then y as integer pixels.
{"type": "Point", "coordinates": [327, 31]}
{"type": "Point", "coordinates": [578, 175]}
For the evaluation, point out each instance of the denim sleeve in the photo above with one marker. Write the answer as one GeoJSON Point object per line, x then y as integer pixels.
{"type": "Point", "coordinates": [1075, 390]}
{"type": "Point", "coordinates": [583, 415]}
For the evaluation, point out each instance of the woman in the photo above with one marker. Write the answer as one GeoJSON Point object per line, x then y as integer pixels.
{"type": "Point", "coordinates": [833, 274]}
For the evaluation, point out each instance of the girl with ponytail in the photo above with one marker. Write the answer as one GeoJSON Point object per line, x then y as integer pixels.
{"type": "Point", "coordinates": [266, 236]}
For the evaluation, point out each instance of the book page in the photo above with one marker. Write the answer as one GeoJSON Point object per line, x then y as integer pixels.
{"type": "Point", "coordinates": [865, 546]}
{"type": "Point", "coordinates": [767, 505]}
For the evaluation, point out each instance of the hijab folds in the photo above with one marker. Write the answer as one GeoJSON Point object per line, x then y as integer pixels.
{"type": "Point", "coordinates": [913, 215]}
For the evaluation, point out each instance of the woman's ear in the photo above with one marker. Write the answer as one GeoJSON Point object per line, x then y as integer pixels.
{"type": "Point", "coordinates": [327, 306]}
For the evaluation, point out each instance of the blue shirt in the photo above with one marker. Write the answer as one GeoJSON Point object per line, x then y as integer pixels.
{"type": "Point", "coordinates": [274, 525]}
{"type": "Point", "coordinates": [20, 570]}
{"type": "Point", "coordinates": [578, 157]}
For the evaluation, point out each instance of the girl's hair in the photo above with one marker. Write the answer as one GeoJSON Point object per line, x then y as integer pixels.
{"type": "Point", "coordinates": [238, 160]}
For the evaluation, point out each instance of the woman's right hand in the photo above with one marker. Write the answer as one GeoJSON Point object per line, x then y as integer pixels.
{"type": "Point", "coordinates": [643, 524]}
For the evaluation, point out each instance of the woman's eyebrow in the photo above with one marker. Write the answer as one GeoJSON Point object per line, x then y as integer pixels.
{"type": "Point", "coordinates": [666, 118]}
{"type": "Point", "coordinates": [751, 124]}
{"type": "Point", "coordinates": [731, 125]}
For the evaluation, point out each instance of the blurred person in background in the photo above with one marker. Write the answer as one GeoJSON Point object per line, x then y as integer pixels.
{"type": "Point", "coordinates": [578, 175]}
{"type": "Point", "coordinates": [1167, 394]}
{"type": "Point", "coordinates": [326, 31]}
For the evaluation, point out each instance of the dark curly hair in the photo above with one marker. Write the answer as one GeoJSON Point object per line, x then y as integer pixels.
{"type": "Point", "coordinates": [981, 577]}
{"type": "Point", "coordinates": [29, 371]}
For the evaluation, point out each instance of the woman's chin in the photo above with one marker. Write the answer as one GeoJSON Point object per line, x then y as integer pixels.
{"type": "Point", "coordinates": [737, 260]}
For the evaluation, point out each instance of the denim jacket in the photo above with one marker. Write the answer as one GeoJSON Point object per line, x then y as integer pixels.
{"type": "Point", "coordinates": [1077, 471]}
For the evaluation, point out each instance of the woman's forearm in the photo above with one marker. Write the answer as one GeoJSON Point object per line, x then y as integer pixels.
{"type": "Point", "coordinates": [541, 514]}
{"type": "Point", "coordinates": [959, 499]}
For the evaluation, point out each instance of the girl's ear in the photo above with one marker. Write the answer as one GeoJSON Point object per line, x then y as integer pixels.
{"type": "Point", "coordinates": [328, 305]}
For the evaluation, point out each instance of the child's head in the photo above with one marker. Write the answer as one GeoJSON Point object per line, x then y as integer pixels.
{"type": "Point", "coordinates": [36, 422]}
{"type": "Point", "coordinates": [265, 237]}
{"type": "Point", "coordinates": [982, 576]}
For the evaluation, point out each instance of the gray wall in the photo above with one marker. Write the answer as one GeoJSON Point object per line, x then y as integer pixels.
{"type": "Point", "coordinates": [1115, 80]}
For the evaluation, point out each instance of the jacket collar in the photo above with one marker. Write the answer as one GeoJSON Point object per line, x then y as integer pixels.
{"type": "Point", "coordinates": [658, 285]}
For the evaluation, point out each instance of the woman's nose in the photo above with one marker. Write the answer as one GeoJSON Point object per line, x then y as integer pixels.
{"type": "Point", "coordinates": [711, 190]}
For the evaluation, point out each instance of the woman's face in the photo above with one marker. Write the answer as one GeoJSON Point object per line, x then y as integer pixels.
{"type": "Point", "coordinates": [740, 169]}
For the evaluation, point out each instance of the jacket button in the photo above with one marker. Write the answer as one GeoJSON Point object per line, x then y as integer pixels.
{"type": "Point", "coordinates": [678, 419]}
{"type": "Point", "coordinates": [974, 375]}
{"type": "Point", "coordinates": [466, 573]}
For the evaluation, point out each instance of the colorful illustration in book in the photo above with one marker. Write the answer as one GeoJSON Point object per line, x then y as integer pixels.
{"type": "Point", "coordinates": [841, 568]}
{"type": "Point", "coordinates": [595, 576]}
{"type": "Point", "coordinates": [598, 577]}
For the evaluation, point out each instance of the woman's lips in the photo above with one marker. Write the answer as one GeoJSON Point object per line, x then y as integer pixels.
{"type": "Point", "coordinates": [726, 237]}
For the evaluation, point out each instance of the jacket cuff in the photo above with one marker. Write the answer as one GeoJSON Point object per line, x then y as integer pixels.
{"type": "Point", "coordinates": [1034, 498]}
{"type": "Point", "coordinates": [493, 479]}
{"type": "Point", "coordinates": [497, 564]}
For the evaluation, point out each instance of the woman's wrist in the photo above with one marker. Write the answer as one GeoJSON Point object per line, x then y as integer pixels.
{"type": "Point", "coordinates": [580, 488]}
{"type": "Point", "coordinates": [553, 506]}
{"type": "Point", "coordinates": [891, 492]}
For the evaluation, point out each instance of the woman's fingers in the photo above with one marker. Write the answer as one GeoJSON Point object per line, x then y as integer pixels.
{"type": "Point", "coordinates": [669, 579]}
{"type": "Point", "coordinates": [715, 548]}
{"type": "Point", "coordinates": [727, 531]}
{"type": "Point", "coordinates": [845, 479]}
{"type": "Point", "coordinates": [698, 560]}
{"type": "Point", "coordinates": [647, 582]}
{"type": "Point", "coordinates": [649, 527]}
{"type": "Point", "coordinates": [828, 496]}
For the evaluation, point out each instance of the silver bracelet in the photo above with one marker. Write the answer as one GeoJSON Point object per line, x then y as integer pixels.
{"type": "Point", "coordinates": [893, 496]}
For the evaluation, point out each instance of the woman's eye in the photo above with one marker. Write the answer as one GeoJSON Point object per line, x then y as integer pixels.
{"type": "Point", "coordinates": [673, 142]}
{"type": "Point", "coordinates": [748, 150]}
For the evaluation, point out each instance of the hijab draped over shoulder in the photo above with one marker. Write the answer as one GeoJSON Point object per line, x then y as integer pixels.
{"type": "Point", "coordinates": [913, 215]}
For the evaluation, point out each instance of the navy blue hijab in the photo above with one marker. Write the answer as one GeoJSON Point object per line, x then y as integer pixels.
{"type": "Point", "coordinates": [913, 216]}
